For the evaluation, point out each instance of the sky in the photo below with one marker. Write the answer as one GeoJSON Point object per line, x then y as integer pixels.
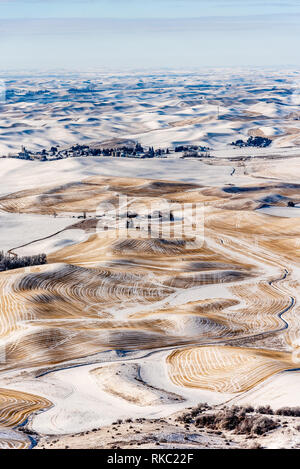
{"type": "Point", "coordinates": [148, 34]}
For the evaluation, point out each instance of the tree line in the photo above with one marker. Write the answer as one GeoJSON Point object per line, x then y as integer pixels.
{"type": "Point", "coordinates": [261, 142]}
{"type": "Point", "coordinates": [9, 262]}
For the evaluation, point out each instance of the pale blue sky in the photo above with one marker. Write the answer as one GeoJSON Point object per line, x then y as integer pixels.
{"type": "Point", "coordinates": [119, 34]}
{"type": "Point", "coordinates": [143, 9]}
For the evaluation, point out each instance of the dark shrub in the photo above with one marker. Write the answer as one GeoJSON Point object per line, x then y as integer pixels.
{"type": "Point", "coordinates": [262, 425]}
{"type": "Point", "coordinates": [235, 419]}
{"type": "Point", "coordinates": [231, 418]}
{"type": "Point", "coordinates": [199, 409]}
{"type": "Point", "coordinates": [249, 409]}
{"type": "Point", "coordinates": [206, 421]}
{"type": "Point", "coordinates": [265, 410]}
{"type": "Point", "coordinates": [289, 411]}
{"type": "Point", "coordinates": [245, 426]}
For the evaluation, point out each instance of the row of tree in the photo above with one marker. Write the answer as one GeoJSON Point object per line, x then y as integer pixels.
{"type": "Point", "coordinates": [9, 262]}
{"type": "Point", "coordinates": [186, 148]}
{"type": "Point", "coordinates": [260, 142]}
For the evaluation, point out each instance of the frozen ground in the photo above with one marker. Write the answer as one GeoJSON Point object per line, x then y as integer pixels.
{"type": "Point", "coordinates": [49, 307]}
{"type": "Point", "coordinates": [18, 229]}
{"type": "Point", "coordinates": [285, 212]}
{"type": "Point", "coordinates": [210, 108]}
{"type": "Point", "coordinates": [20, 174]}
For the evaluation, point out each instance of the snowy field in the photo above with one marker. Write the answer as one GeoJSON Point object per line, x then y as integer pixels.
{"type": "Point", "coordinates": [285, 212]}
{"type": "Point", "coordinates": [19, 175]}
{"type": "Point", "coordinates": [18, 229]}
{"type": "Point", "coordinates": [211, 108]}
{"type": "Point", "coordinates": [92, 335]}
